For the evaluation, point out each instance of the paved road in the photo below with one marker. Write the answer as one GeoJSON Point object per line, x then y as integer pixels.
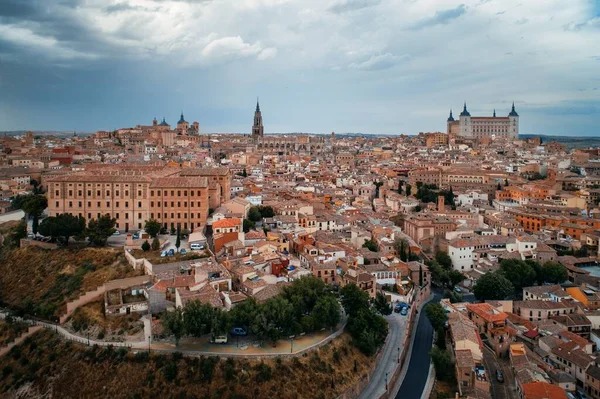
{"type": "Point", "coordinates": [416, 376]}
{"type": "Point", "coordinates": [506, 390]}
{"type": "Point", "coordinates": [389, 360]}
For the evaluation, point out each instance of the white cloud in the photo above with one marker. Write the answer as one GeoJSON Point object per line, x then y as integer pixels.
{"type": "Point", "coordinates": [381, 61]}
{"type": "Point", "coordinates": [231, 48]}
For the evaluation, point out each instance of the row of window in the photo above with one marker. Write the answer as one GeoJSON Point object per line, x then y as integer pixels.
{"type": "Point", "coordinates": [185, 215]}
{"type": "Point", "coordinates": [165, 193]}
{"type": "Point", "coordinates": [166, 204]}
{"type": "Point", "coordinates": [98, 193]}
{"type": "Point", "coordinates": [98, 204]}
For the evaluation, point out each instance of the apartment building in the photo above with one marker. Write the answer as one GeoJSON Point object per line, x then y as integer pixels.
{"type": "Point", "coordinates": [132, 195]}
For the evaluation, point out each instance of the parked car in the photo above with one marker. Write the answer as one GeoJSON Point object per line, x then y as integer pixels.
{"type": "Point", "coordinates": [196, 247]}
{"type": "Point", "coordinates": [457, 289]}
{"type": "Point", "coordinates": [404, 311]}
{"type": "Point", "coordinates": [117, 233]}
{"type": "Point", "coordinates": [171, 252]}
{"type": "Point", "coordinates": [219, 339]}
{"type": "Point", "coordinates": [182, 251]}
{"type": "Point", "coordinates": [580, 395]}
{"type": "Point", "coordinates": [136, 235]}
{"type": "Point", "coordinates": [239, 331]}
{"type": "Point", "coordinates": [499, 376]}
{"type": "Point", "coordinates": [163, 254]}
{"type": "Point", "coordinates": [30, 236]}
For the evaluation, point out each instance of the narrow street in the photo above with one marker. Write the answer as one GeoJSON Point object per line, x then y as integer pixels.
{"type": "Point", "coordinates": [507, 389]}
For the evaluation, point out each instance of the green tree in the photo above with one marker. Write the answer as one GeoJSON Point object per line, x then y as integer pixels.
{"type": "Point", "coordinates": [368, 331]}
{"type": "Point", "coordinates": [197, 318]}
{"type": "Point", "coordinates": [455, 277]}
{"type": "Point", "coordinates": [100, 229]}
{"type": "Point", "coordinates": [519, 273]}
{"type": "Point", "coordinates": [178, 239]}
{"type": "Point", "coordinates": [443, 259]}
{"type": "Point", "coordinates": [408, 190]}
{"type": "Point", "coordinates": [155, 244]}
{"type": "Point", "coordinates": [400, 184]}
{"type": "Point", "coordinates": [326, 312]}
{"type": "Point", "coordinates": [34, 205]}
{"type": "Point", "coordinates": [381, 304]}
{"type": "Point", "coordinates": [420, 275]}
{"type": "Point", "coordinates": [173, 324]}
{"type": "Point", "coordinates": [254, 214]}
{"type": "Point", "coordinates": [493, 286]}
{"type": "Point", "coordinates": [62, 226]}
{"type": "Point", "coordinates": [243, 314]}
{"type": "Point", "coordinates": [400, 246]}
{"type": "Point", "coordinates": [436, 314]}
{"type": "Point", "coordinates": [152, 227]}
{"type": "Point", "coordinates": [244, 173]}
{"type": "Point", "coordinates": [304, 293]}
{"type": "Point", "coordinates": [442, 362]}
{"type": "Point", "coordinates": [354, 299]}
{"type": "Point", "coordinates": [266, 211]}
{"type": "Point", "coordinates": [221, 322]}
{"type": "Point", "coordinates": [371, 245]}
{"type": "Point", "coordinates": [146, 246]}
{"type": "Point", "coordinates": [554, 272]}
{"type": "Point", "coordinates": [248, 225]}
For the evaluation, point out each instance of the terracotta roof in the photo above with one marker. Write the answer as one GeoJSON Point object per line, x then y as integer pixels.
{"type": "Point", "coordinates": [232, 222]}
{"type": "Point", "coordinates": [486, 312]}
{"type": "Point", "coordinates": [543, 390]}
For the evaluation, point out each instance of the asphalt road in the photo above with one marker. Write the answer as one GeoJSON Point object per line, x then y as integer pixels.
{"type": "Point", "coordinates": [415, 380]}
{"type": "Point", "coordinates": [507, 389]}
{"type": "Point", "coordinates": [389, 360]}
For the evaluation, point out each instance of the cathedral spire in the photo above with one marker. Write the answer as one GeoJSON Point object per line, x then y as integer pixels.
{"type": "Point", "coordinates": [257, 105]}
{"type": "Point", "coordinates": [451, 118]}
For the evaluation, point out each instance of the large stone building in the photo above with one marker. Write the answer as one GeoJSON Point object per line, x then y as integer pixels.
{"type": "Point", "coordinates": [132, 195]}
{"type": "Point", "coordinates": [484, 126]}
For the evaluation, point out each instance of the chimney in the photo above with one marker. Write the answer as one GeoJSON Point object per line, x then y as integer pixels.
{"type": "Point", "coordinates": [440, 203]}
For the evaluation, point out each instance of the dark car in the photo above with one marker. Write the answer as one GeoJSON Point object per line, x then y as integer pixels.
{"type": "Point", "coordinates": [239, 331]}
{"type": "Point", "coordinates": [171, 252]}
{"type": "Point", "coordinates": [499, 376]}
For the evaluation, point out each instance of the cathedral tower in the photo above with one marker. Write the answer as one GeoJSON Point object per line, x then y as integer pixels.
{"type": "Point", "coordinates": [257, 128]}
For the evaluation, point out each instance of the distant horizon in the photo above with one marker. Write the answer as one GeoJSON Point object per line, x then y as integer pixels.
{"type": "Point", "coordinates": [70, 132]}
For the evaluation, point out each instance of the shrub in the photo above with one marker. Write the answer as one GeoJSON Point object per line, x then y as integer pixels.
{"type": "Point", "coordinates": [229, 369]}
{"type": "Point", "coordinates": [141, 357]}
{"type": "Point", "coordinates": [146, 246]}
{"type": "Point", "coordinates": [170, 371]}
{"type": "Point", "coordinates": [264, 372]}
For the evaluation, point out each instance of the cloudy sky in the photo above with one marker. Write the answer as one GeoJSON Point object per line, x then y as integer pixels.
{"type": "Point", "coordinates": [376, 66]}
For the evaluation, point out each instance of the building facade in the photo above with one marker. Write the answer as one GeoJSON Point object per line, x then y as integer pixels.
{"type": "Point", "coordinates": [132, 195]}
{"type": "Point", "coordinates": [484, 126]}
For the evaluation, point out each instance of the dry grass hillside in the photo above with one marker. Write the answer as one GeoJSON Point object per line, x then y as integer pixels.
{"type": "Point", "coordinates": [45, 364]}
{"type": "Point", "coordinates": [41, 281]}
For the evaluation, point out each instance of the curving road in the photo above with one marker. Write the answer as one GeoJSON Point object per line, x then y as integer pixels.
{"type": "Point", "coordinates": [389, 361]}
{"type": "Point", "coordinates": [417, 374]}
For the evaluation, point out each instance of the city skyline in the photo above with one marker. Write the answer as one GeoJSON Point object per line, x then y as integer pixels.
{"type": "Point", "coordinates": [368, 66]}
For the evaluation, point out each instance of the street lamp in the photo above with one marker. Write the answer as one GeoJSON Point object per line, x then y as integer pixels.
{"type": "Point", "coordinates": [149, 337]}
{"type": "Point", "coordinates": [398, 355]}
{"type": "Point", "coordinates": [386, 381]}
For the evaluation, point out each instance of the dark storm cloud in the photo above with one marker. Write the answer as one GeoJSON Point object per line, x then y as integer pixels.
{"type": "Point", "coordinates": [442, 17]}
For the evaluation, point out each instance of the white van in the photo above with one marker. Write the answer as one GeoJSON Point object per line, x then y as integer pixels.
{"type": "Point", "coordinates": [219, 339]}
{"type": "Point", "coordinates": [196, 247]}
